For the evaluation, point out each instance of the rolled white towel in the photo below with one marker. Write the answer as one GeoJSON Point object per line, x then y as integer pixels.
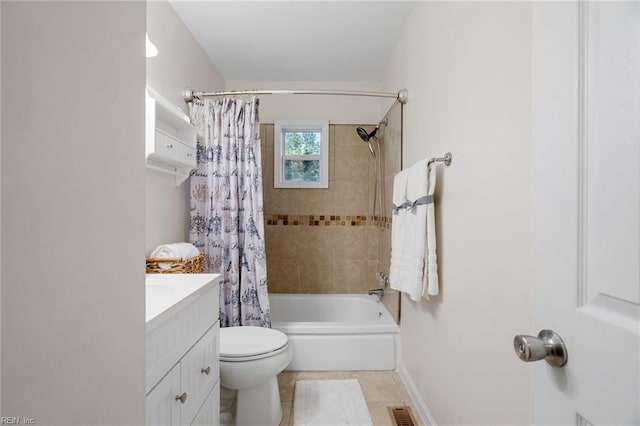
{"type": "Point", "coordinates": [174, 251]}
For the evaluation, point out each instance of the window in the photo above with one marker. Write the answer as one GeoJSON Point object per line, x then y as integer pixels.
{"type": "Point", "coordinates": [301, 154]}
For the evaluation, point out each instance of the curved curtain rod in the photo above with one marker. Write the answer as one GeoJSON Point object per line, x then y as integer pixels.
{"type": "Point", "coordinates": [402, 95]}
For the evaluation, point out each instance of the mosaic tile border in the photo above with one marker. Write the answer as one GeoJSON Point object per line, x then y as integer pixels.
{"type": "Point", "coordinates": [327, 220]}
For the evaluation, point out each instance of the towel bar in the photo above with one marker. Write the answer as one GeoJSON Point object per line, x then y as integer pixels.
{"type": "Point", "coordinates": [446, 159]}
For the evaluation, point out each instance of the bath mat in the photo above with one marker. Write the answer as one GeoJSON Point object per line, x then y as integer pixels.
{"type": "Point", "coordinates": [329, 403]}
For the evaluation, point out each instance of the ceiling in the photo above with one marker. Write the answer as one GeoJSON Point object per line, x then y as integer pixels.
{"type": "Point", "coordinates": [296, 40]}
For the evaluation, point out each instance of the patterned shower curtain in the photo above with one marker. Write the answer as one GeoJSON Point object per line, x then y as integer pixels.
{"type": "Point", "coordinates": [226, 217]}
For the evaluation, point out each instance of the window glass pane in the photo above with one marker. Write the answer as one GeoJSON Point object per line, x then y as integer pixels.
{"type": "Point", "coordinates": [302, 170]}
{"type": "Point", "coordinates": [302, 143]}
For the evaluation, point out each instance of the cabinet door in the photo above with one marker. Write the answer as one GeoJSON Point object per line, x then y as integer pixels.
{"type": "Point", "coordinates": [199, 371]}
{"type": "Point", "coordinates": [162, 406]}
{"type": "Point", "coordinates": [209, 414]}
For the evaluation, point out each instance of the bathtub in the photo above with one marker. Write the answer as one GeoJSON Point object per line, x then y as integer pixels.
{"type": "Point", "coordinates": [336, 332]}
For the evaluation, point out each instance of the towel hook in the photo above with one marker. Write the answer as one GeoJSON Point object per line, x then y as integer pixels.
{"type": "Point", "coordinates": [446, 159]}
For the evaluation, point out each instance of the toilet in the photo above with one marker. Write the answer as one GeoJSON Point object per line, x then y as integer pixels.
{"type": "Point", "coordinates": [250, 360]}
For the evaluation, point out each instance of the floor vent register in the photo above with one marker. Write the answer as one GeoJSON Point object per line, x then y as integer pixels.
{"type": "Point", "coordinates": [401, 416]}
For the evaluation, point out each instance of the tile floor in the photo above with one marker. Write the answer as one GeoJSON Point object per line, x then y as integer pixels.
{"type": "Point", "coordinates": [380, 388]}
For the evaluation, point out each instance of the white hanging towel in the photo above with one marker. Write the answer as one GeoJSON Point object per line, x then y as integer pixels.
{"type": "Point", "coordinates": [408, 232]}
{"type": "Point", "coordinates": [413, 260]}
{"type": "Point", "coordinates": [431, 287]}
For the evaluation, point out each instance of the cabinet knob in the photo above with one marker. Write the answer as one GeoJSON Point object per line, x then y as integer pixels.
{"type": "Point", "coordinates": [206, 370]}
{"type": "Point", "coordinates": [182, 398]}
{"type": "Point", "coordinates": [169, 145]}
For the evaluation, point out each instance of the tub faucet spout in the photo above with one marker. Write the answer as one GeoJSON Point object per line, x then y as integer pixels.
{"type": "Point", "coordinates": [377, 292]}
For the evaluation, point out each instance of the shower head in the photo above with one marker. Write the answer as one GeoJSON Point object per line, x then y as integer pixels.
{"type": "Point", "coordinates": [365, 136]}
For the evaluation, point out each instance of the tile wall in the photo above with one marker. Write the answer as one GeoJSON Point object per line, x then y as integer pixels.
{"type": "Point", "coordinates": [325, 240]}
{"type": "Point", "coordinates": [391, 146]}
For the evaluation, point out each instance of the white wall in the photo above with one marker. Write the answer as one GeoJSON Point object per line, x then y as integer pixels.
{"type": "Point", "coordinates": [180, 63]}
{"type": "Point", "coordinates": [73, 325]}
{"type": "Point", "coordinates": [337, 109]}
{"type": "Point", "coordinates": [467, 67]}
{"type": "Point", "coordinates": [0, 214]}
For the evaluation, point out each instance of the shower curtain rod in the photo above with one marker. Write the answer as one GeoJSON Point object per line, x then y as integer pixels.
{"type": "Point", "coordinates": [401, 96]}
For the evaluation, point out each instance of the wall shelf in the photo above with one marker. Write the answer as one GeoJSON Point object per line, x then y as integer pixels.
{"type": "Point", "coordinates": [170, 145]}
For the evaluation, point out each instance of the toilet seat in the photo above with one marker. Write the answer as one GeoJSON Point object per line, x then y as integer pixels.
{"type": "Point", "coordinates": [247, 343]}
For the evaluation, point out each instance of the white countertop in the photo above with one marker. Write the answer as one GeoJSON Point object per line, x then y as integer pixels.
{"type": "Point", "coordinates": [165, 292]}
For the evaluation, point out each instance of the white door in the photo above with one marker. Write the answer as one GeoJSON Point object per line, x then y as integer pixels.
{"type": "Point", "coordinates": [586, 73]}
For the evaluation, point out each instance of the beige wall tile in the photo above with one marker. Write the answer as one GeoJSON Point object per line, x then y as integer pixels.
{"type": "Point", "coordinates": [388, 194]}
{"type": "Point", "coordinates": [351, 242]}
{"type": "Point", "coordinates": [350, 167]}
{"type": "Point", "coordinates": [283, 275]}
{"type": "Point", "coordinates": [391, 301]}
{"type": "Point", "coordinates": [391, 158]}
{"type": "Point", "coordinates": [315, 202]}
{"type": "Point", "coordinates": [346, 136]}
{"type": "Point", "coordinates": [392, 143]}
{"type": "Point", "coordinates": [266, 153]}
{"type": "Point", "coordinates": [372, 242]}
{"type": "Point", "coordinates": [371, 187]}
{"type": "Point", "coordinates": [351, 276]}
{"type": "Point", "coordinates": [283, 242]}
{"type": "Point", "coordinates": [350, 197]}
{"type": "Point", "coordinates": [393, 130]}
{"type": "Point", "coordinates": [266, 130]}
{"type": "Point", "coordinates": [316, 243]}
{"type": "Point", "coordinates": [384, 248]}
{"type": "Point", "coordinates": [316, 276]}
{"type": "Point", "coordinates": [327, 258]}
{"type": "Point", "coordinates": [372, 270]}
{"type": "Point", "coordinates": [281, 201]}
{"type": "Point", "coordinates": [332, 152]}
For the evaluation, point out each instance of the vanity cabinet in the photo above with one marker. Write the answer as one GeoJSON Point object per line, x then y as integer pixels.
{"type": "Point", "coordinates": [182, 353]}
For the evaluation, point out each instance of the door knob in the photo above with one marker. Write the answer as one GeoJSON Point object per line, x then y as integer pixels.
{"type": "Point", "coordinates": [548, 346]}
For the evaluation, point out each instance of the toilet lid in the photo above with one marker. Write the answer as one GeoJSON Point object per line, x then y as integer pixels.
{"type": "Point", "coordinates": [246, 341]}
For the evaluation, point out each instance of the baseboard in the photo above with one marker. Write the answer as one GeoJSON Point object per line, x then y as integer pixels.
{"type": "Point", "coordinates": [418, 401]}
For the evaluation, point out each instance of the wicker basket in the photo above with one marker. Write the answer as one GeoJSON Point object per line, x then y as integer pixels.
{"type": "Point", "coordinates": [193, 265]}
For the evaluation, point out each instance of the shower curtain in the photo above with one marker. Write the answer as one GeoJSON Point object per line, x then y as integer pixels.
{"type": "Point", "coordinates": [226, 216]}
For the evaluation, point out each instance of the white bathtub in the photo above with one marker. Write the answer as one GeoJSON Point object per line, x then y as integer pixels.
{"type": "Point", "coordinates": [341, 332]}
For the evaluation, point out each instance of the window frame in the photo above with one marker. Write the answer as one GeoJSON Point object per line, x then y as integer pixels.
{"type": "Point", "coordinates": [279, 158]}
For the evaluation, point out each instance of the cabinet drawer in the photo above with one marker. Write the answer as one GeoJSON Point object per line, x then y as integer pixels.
{"type": "Point", "coordinates": [199, 370]}
{"type": "Point", "coordinates": [166, 146]}
{"type": "Point", "coordinates": [169, 341]}
{"type": "Point", "coordinates": [171, 150]}
{"type": "Point", "coordinates": [189, 156]}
